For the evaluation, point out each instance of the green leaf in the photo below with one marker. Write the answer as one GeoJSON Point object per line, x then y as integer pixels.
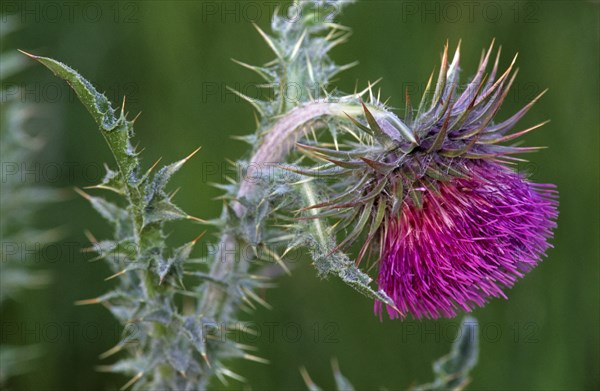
{"type": "Point", "coordinates": [111, 181]}
{"type": "Point", "coordinates": [96, 103]}
{"type": "Point", "coordinates": [162, 211]}
{"type": "Point", "coordinates": [192, 329]}
{"type": "Point", "coordinates": [162, 177]}
{"type": "Point", "coordinates": [106, 209]}
{"type": "Point", "coordinates": [116, 131]}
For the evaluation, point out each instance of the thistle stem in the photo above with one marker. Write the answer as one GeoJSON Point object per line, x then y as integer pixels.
{"type": "Point", "coordinates": [311, 199]}
{"type": "Point", "coordinates": [276, 145]}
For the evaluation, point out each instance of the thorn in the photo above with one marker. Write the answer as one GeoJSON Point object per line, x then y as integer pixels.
{"type": "Point", "coordinates": [370, 94]}
{"type": "Point", "coordinates": [33, 56]}
{"type": "Point", "coordinates": [136, 117]}
{"type": "Point", "coordinates": [287, 250]}
{"type": "Point", "coordinates": [123, 107]}
{"type": "Point", "coordinates": [115, 349]}
{"type": "Point", "coordinates": [257, 298]}
{"type": "Point", "coordinates": [256, 120]}
{"type": "Point", "coordinates": [198, 219]}
{"type": "Point", "coordinates": [192, 154]}
{"type": "Point", "coordinates": [198, 238]}
{"type": "Point", "coordinates": [345, 67]}
{"type": "Point", "coordinates": [101, 187]}
{"type": "Point", "coordinates": [90, 237]}
{"type": "Point", "coordinates": [174, 193]}
{"type": "Point", "coordinates": [491, 46]}
{"type": "Point", "coordinates": [248, 99]}
{"type": "Point", "coordinates": [104, 368]}
{"type": "Point", "coordinates": [335, 365]}
{"type": "Point", "coordinates": [254, 358]}
{"type": "Point", "coordinates": [89, 250]}
{"type": "Point", "coordinates": [245, 347]}
{"type": "Point", "coordinates": [117, 274]}
{"type": "Point", "coordinates": [513, 135]}
{"type": "Point", "coordinates": [134, 379]}
{"type": "Point", "coordinates": [371, 85]}
{"type": "Point", "coordinates": [455, 58]}
{"type": "Point", "coordinates": [253, 68]}
{"type": "Point", "coordinates": [307, 380]}
{"type": "Point", "coordinates": [82, 193]}
{"type": "Point", "coordinates": [88, 301]}
{"type": "Point", "coordinates": [539, 96]}
{"type": "Point", "coordinates": [205, 358]}
{"type": "Point", "coordinates": [279, 261]}
{"type": "Point", "coordinates": [153, 166]}
{"type": "Point", "coordinates": [297, 46]}
{"type": "Point", "coordinates": [268, 40]}
{"type": "Point", "coordinates": [396, 309]}
{"type": "Point", "coordinates": [222, 379]}
{"type": "Point", "coordinates": [309, 68]}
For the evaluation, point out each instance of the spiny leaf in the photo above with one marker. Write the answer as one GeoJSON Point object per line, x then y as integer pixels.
{"type": "Point", "coordinates": [96, 103]}
{"type": "Point", "coordinates": [192, 329]}
{"type": "Point", "coordinates": [111, 182]}
{"type": "Point", "coordinates": [116, 131]}
{"type": "Point", "coordinates": [106, 209]}
{"type": "Point", "coordinates": [163, 176]}
{"type": "Point", "coordinates": [161, 211]}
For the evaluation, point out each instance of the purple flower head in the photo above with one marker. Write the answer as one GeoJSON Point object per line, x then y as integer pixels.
{"type": "Point", "coordinates": [469, 239]}
{"type": "Point", "coordinates": [455, 224]}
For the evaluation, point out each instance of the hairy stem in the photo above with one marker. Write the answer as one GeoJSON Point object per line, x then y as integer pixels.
{"type": "Point", "coordinates": [276, 145]}
{"type": "Point", "coordinates": [311, 199]}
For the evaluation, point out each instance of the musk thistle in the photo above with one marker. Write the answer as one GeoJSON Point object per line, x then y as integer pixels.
{"type": "Point", "coordinates": [455, 223]}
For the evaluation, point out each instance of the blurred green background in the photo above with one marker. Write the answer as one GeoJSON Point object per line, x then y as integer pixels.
{"type": "Point", "coordinates": [172, 60]}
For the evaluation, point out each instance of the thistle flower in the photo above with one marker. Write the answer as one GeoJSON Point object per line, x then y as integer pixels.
{"type": "Point", "coordinates": [468, 239]}
{"type": "Point", "coordinates": [455, 224]}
